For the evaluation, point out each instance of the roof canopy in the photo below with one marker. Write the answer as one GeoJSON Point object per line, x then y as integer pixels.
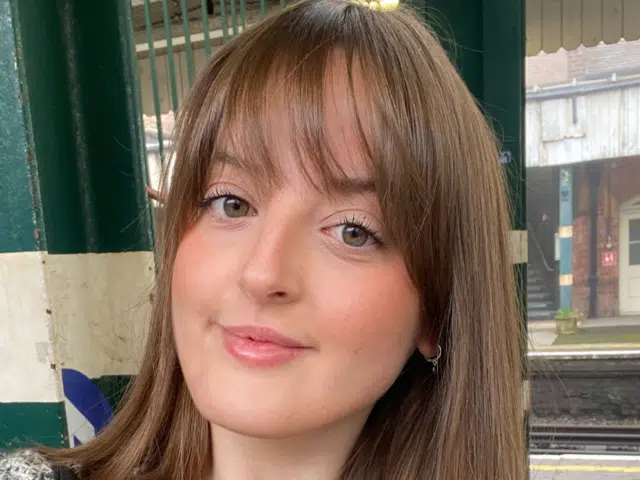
{"type": "Point", "coordinates": [552, 24]}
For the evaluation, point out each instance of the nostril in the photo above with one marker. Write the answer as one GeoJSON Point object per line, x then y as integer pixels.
{"type": "Point", "coordinates": [280, 294]}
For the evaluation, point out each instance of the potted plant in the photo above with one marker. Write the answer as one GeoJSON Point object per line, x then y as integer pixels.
{"type": "Point", "coordinates": [568, 320]}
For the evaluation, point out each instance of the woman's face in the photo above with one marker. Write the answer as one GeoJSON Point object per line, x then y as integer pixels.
{"type": "Point", "coordinates": [291, 312]}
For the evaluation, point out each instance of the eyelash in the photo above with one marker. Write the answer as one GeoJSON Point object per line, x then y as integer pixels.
{"type": "Point", "coordinates": [215, 195]}
{"type": "Point", "coordinates": [352, 221]}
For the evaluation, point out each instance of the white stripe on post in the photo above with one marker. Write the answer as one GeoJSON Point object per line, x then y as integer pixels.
{"type": "Point", "coordinates": [27, 352]}
{"type": "Point", "coordinates": [519, 246]}
{"type": "Point", "coordinates": [101, 305]}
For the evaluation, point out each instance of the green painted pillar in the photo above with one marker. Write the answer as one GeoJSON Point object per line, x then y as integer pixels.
{"type": "Point", "coordinates": [486, 39]}
{"type": "Point", "coordinates": [76, 261]}
{"type": "Point", "coordinates": [504, 101]}
{"type": "Point", "coordinates": [30, 399]}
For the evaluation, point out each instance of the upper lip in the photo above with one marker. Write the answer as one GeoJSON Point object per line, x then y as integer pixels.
{"type": "Point", "coordinates": [263, 334]}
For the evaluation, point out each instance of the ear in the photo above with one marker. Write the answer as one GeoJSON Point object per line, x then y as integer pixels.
{"type": "Point", "coordinates": [427, 342]}
{"type": "Point", "coordinates": [155, 195]}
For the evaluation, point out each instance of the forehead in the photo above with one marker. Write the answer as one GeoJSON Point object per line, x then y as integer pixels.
{"type": "Point", "coordinates": [316, 127]}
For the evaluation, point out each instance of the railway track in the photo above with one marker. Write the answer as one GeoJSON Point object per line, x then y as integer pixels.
{"type": "Point", "coordinates": [622, 440]}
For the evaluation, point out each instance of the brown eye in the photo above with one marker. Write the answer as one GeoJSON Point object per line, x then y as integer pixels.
{"type": "Point", "coordinates": [230, 206]}
{"type": "Point", "coordinates": [355, 236]}
{"type": "Point", "coordinates": [235, 207]}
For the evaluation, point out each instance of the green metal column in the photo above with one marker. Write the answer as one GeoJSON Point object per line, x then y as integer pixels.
{"type": "Point", "coordinates": [72, 178]}
{"type": "Point", "coordinates": [486, 39]}
{"type": "Point", "coordinates": [30, 403]}
{"type": "Point", "coordinates": [504, 101]}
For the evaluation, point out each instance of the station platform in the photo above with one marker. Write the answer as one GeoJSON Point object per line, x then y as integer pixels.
{"type": "Point", "coordinates": [584, 467]}
{"type": "Point", "coordinates": [611, 334]}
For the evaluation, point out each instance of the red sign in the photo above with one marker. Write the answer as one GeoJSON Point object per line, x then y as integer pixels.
{"type": "Point", "coordinates": [609, 259]}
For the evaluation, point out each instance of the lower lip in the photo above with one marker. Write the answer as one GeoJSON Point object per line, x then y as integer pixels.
{"type": "Point", "coordinates": [258, 354]}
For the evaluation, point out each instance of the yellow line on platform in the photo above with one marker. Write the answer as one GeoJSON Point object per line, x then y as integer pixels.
{"type": "Point", "coordinates": [587, 346]}
{"type": "Point", "coordinates": [585, 468]}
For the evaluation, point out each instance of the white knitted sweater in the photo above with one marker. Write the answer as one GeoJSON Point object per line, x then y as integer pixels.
{"type": "Point", "coordinates": [24, 465]}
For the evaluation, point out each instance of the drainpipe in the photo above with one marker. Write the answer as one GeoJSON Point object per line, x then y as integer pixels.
{"type": "Point", "coordinates": [594, 174]}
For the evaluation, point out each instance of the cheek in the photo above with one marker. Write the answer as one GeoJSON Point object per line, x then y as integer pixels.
{"type": "Point", "coordinates": [184, 276]}
{"type": "Point", "coordinates": [195, 301]}
{"type": "Point", "coordinates": [186, 298]}
{"type": "Point", "coordinates": [192, 284]}
{"type": "Point", "coordinates": [375, 316]}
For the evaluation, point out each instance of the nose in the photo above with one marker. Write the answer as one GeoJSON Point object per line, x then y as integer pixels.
{"type": "Point", "coordinates": [273, 269]}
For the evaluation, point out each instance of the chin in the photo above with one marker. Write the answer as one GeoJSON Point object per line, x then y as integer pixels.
{"type": "Point", "coordinates": [255, 419]}
{"type": "Point", "coordinates": [262, 428]}
{"type": "Point", "coordinates": [273, 413]}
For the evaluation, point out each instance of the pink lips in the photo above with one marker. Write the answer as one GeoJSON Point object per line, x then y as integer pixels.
{"type": "Point", "coordinates": [259, 346]}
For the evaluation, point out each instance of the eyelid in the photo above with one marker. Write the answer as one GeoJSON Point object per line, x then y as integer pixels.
{"type": "Point", "coordinates": [226, 190]}
{"type": "Point", "coordinates": [235, 184]}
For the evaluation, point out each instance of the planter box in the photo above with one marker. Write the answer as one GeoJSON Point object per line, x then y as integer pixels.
{"type": "Point", "coordinates": [567, 326]}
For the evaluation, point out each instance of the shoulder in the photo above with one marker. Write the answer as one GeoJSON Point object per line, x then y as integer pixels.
{"type": "Point", "coordinates": [24, 465]}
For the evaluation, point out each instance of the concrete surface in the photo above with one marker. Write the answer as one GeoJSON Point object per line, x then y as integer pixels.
{"type": "Point", "coordinates": [542, 334]}
{"type": "Point", "coordinates": [584, 467]}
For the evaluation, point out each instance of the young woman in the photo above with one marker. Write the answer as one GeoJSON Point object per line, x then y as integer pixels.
{"type": "Point", "coordinates": [335, 297]}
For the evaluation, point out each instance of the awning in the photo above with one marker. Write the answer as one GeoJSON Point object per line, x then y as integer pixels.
{"type": "Point", "coordinates": [552, 24]}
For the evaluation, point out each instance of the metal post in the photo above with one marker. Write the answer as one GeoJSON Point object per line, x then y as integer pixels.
{"type": "Point", "coordinates": [487, 41]}
{"type": "Point", "coordinates": [31, 405]}
{"type": "Point", "coordinates": [77, 233]}
{"type": "Point", "coordinates": [566, 238]}
{"type": "Point", "coordinates": [503, 48]}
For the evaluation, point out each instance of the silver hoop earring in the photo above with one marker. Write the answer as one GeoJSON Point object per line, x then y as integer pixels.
{"type": "Point", "coordinates": [434, 360]}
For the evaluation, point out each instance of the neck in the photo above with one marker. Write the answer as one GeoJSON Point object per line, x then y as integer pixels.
{"type": "Point", "coordinates": [319, 455]}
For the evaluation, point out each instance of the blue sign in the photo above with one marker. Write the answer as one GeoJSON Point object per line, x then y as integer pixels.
{"type": "Point", "coordinates": [505, 157]}
{"type": "Point", "coordinates": [88, 411]}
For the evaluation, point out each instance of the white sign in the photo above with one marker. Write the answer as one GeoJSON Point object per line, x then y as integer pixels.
{"type": "Point", "coordinates": [505, 157]}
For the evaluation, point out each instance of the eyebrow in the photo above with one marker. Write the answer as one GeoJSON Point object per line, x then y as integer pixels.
{"type": "Point", "coordinates": [349, 186]}
{"type": "Point", "coordinates": [342, 185]}
{"type": "Point", "coordinates": [226, 159]}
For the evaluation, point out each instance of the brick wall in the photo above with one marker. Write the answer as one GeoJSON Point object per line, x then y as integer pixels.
{"type": "Point", "coordinates": [544, 69]}
{"type": "Point", "coordinates": [619, 182]}
{"type": "Point", "coordinates": [620, 58]}
{"type": "Point", "coordinates": [583, 63]}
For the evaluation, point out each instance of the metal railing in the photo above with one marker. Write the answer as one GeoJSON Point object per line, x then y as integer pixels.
{"type": "Point", "coordinates": [175, 40]}
{"type": "Point", "coordinates": [539, 248]}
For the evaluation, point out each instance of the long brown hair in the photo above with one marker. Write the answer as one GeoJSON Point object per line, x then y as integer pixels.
{"type": "Point", "coordinates": [443, 197]}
